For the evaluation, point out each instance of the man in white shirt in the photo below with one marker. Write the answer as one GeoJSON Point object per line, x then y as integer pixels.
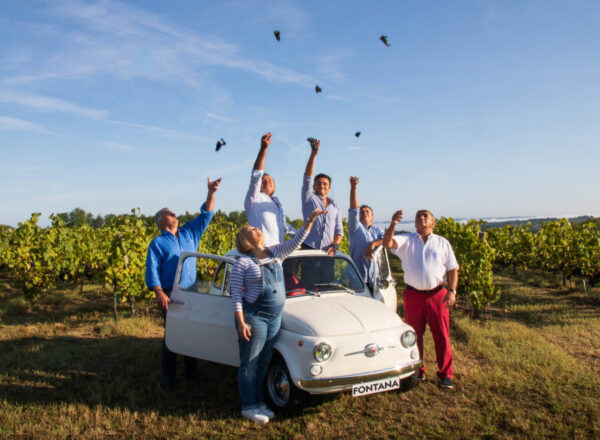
{"type": "Point", "coordinates": [263, 209]}
{"type": "Point", "coordinates": [431, 277]}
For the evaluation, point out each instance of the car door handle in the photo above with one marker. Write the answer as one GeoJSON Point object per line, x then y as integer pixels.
{"type": "Point", "coordinates": [175, 301]}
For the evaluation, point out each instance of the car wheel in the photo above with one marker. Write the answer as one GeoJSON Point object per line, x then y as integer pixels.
{"type": "Point", "coordinates": [280, 390]}
{"type": "Point", "coordinates": [409, 382]}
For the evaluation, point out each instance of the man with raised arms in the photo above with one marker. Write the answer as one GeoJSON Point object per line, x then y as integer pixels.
{"type": "Point", "coordinates": [327, 231]}
{"type": "Point", "coordinates": [431, 277]}
{"type": "Point", "coordinates": [363, 236]}
{"type": "Point", "coordinates": [263, 209]}
{"type": "Point", "coordinates": [161, 265]}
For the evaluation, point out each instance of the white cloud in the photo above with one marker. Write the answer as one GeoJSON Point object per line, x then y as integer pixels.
{"type": "Point", "coordinates": [45, 103]}
{"type": "Point", "coordinates": [10, 124]}
{"type": "Point", "coordinates": [118, 39]}
{"type": "Point", "coordinates": [117, 146]}
{"type": "Point", "coordinates": [219, 118]}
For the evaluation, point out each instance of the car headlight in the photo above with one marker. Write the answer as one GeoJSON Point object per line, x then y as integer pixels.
{"type": "Point", "coordinates": [322, 352]}
{"type": "Point", "coordinates": [408, 338]}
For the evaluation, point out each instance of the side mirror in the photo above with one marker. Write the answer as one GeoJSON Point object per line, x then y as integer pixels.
{"type": "Point", "coordinates": [383, 284]}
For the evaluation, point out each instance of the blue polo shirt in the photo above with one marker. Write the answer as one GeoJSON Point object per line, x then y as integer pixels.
{"type": "Point", "coordinates": [360, 236]}
{"type": "Point", "coordinates": [164, 251]}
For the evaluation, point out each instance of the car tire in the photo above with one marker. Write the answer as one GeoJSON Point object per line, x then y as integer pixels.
{"type": "Point", "coordinates": [279, 388]}
{"type": "Point", "coordinates": [408, 383]}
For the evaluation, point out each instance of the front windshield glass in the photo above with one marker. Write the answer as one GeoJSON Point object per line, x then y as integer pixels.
{"type": "Point", "coordinates": [305, 275]}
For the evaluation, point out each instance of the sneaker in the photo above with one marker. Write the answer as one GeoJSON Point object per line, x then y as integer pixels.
{"type": "Point", "coordinates": [255, 415]}
{"type": "Point", "coordinates": [446, 382]}
{"type": "Point", "coordinates": [266, 411]}
{"type": "Point", "coordinates": [421, 376]}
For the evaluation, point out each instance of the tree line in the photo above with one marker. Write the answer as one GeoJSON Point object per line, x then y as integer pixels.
{"type": "Point", "coordinates": [77, 249]}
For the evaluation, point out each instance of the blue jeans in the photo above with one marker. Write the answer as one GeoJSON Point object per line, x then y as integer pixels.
{"type": "Point", "coordinates": [264, 318]}
{"type": "Point", "coordinates": [255, 357]}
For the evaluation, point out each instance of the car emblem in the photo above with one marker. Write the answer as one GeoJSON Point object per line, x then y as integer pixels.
{"type": "Point", "coordinates": [371, 350]}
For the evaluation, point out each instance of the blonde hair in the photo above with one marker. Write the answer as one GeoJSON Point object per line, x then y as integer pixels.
{"type": "Point", "coordinates": [241, 241]}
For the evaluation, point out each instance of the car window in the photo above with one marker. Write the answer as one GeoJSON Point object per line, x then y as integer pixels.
{"type": "Point", "coordinates": [204, 275]}
{"type": "Point", "coordinates": [221, 278]}
{"type": "Point", "coordinates": [319, 274]}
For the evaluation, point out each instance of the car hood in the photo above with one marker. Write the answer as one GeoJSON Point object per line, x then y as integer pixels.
{"type": "Point", "coordinates": [336, 314]}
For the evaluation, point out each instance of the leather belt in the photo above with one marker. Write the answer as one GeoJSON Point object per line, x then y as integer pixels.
{"type": "Point", "coordinates": [434, 290]}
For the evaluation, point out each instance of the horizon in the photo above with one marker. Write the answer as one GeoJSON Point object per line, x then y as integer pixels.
{"type": "Point", "coordinates": [477, 109]}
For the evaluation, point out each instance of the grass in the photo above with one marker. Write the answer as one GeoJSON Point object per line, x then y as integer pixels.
{"type": "Point", "coordinates": [531, 370]}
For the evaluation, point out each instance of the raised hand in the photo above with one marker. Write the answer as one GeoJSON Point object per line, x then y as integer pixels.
{"type": "Point", "coordinates": [354, 181]}
{"type": "Point", "coordinates": [213, 186]}
{"type": "Point", "coordinates": [265, 141]}
{"type": "Point", "coordinates": [397, 217]}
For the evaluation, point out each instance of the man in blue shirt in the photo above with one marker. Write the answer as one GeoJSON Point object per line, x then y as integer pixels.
{"type": "Point", "coordinates": [327, 231]}
{"type": "Point", "coordinates": [161, 264]}
{"type": "Point", "coordinates": [362, 235]}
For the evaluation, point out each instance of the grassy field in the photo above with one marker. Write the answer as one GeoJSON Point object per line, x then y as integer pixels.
{"type": "Point", "coordinates": [531, 370]}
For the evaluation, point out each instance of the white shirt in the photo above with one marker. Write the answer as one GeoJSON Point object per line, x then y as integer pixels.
{"type": "Point", "coordinates": [425, 264]}
{"type": "Point", "coordinates": [265, 212]}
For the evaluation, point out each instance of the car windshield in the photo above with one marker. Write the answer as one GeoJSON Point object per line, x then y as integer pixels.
{"type": "Point", "coordinates": [314, 274]}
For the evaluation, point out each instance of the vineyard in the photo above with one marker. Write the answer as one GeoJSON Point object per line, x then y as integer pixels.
{"type": "Point", "coordinates": [114, 254]}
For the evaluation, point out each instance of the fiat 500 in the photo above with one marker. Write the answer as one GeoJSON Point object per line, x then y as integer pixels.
{"type": "Point", "coordinates": [337, 333]}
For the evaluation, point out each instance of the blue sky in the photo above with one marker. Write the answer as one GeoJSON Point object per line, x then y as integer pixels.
{"type": "Point", "coordinates": [478, 108]}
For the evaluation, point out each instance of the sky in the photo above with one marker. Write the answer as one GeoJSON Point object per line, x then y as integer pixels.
{"type": "Point", "coordinates": [477, 109]}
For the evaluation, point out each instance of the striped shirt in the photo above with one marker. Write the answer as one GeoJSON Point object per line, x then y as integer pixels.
{"type": "Point", "coordinates": [246, 278]}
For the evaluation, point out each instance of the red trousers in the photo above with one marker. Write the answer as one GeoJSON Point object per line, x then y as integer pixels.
{"type": "Point", "coordinates": [423, 308]}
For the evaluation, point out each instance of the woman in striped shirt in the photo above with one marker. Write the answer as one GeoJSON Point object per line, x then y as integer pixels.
{"type": "Point", "coordinates": [258, 296]}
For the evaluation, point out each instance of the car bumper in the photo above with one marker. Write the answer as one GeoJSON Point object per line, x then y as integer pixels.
{"type": "Point", "coordinates": [340, 383]}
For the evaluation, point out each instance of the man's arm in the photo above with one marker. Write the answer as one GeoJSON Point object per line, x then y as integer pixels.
{"type": "Point", "coordinates": [452, 277]}
{"type": "Point", "coordinates": [153, 278]}
{"type": "Point", "coordinates": [265, 141]}
{"type": "Point", "coordinates": [306, 189]}
{"type": "Point", "coordinates": [335, 244]}
{"type": "Point", "coordinates": [338, 234]}
{"type": "Point", "coordinates": [371, 248]}
{"type": "Point", "coordinates": [353, 195]}
{"type": "Point", "coordinates": [353, 214]}
{"type": "Point", "coordinates": [209, 205]}
{"type": "Point", "coordinates": [388, 237]}
{"type": "Point", "coordinates": [310, 165]}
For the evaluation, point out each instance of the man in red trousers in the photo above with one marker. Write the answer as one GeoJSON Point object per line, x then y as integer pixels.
{"type": "Point", "coordinates": [430, 276]}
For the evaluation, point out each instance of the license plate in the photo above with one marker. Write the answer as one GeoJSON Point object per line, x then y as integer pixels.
{"type": "Point", "coordinates": [376, 386]}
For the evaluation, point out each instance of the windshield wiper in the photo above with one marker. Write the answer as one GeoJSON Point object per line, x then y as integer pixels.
{"type": "Point", "coordinates": [344, 288]}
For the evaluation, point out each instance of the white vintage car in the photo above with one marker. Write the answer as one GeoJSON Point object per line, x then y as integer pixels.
{"type": "Point", "coordinates": [336, 335]}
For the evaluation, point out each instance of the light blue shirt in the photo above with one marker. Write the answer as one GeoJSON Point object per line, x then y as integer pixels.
{"type": "Point", "coordinates": [360, 236]}
{"type": "Point", "coordinates": [164, 250]}
{"type": "Point", "coordinates": [325, 226]}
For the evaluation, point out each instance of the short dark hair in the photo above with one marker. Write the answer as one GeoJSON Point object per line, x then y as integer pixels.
{"type": "Point", "coordinates": [427, 211]}
{"type": "Point", "coordinates": [366, 206]}
{"type": "Point", "coordinates": [321, 175]}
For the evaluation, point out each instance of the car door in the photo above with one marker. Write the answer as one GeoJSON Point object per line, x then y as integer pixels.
{"type": "Point", "coordinates": [200, 319]}
{"type": "Point", "coordinates": [385, 285]}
